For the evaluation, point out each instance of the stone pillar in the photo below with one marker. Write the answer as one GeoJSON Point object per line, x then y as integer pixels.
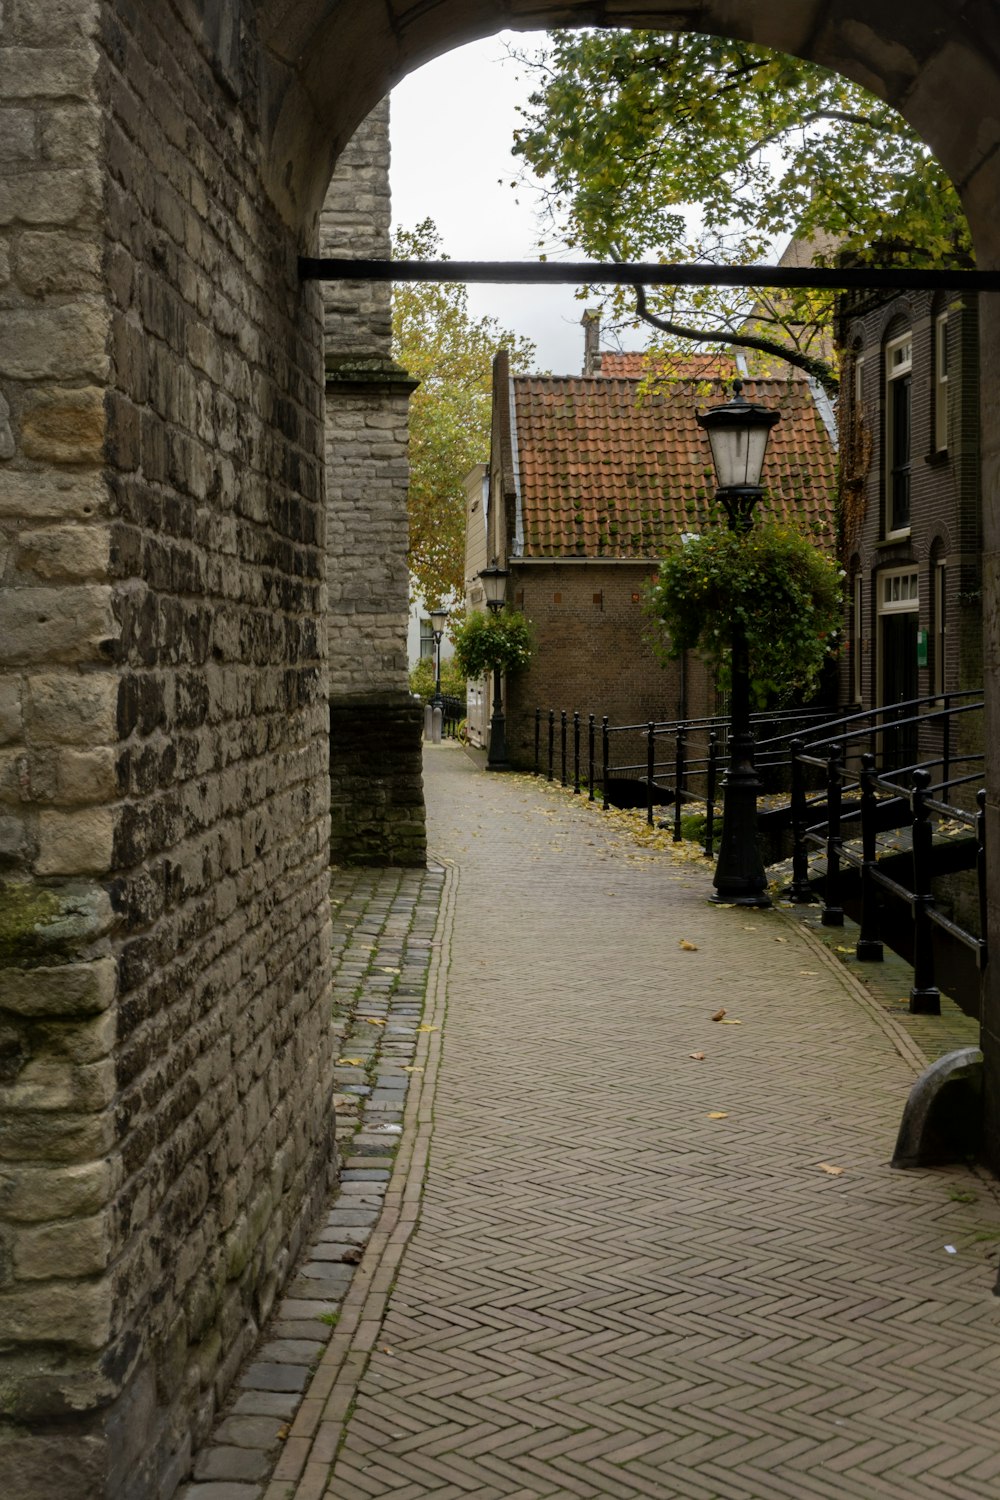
{"type": "Point", "coordinates": [377, 812]}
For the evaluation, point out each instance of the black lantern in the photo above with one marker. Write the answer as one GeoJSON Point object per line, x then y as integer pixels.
{"type": "Point", "coordinates": [738, 433]}
{"type": "Point", "coordinates": [439, 619]}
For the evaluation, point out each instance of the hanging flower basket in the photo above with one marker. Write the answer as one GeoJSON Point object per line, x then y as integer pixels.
{"type": "Point", "coordinates": [486, 641]}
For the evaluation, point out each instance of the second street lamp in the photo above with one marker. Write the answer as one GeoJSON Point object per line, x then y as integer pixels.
{"type": "Point", "coordinates": [439, 619]}
{"type": "Point", "coordinates": [494, 587]}
{"type": "Point", "coordinates": [738, 433]}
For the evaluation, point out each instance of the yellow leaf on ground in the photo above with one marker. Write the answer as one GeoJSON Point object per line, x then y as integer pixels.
{"type": "Point", "coordinates": [825, 1166]}
{"type": "Point", "coordinates": [373, 1021]}
{"type": "Point", "coordinates": [731, 1022]}
{"type": "Point", "coordinates": [718, 1114]}
{"type": "Point", "coordinates": [428, 1028]}
{"type": "Point", "coordinates": [413, 1069]}
{"type": "Point", "coordinates": [688, 947]}
{"type": "Point", "coordinates": [349, 1062]}
{"type": "Point", "coordinates": [386, 970]}
{"type": "Point", "coordinates": [781, 940]}
{"type": "Point", "coordinates": [808, 973]}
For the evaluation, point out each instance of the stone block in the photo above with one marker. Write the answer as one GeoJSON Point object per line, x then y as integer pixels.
{"type": "Point", "coordinates": [64, 426]}
{"type": "Point", "coordinates": [77, 1314]}
{"type": "Point", "coordinates": [65, 776]}
{"type": "Point", "coordinates": [69, 624]}
{"type": "Point", "coordinates": [71, 708]}
{"type": "Point", "coordinates": [75, 843]}
{"type": "Point", "coordinates": [53, 496]}
{"type": "Point", "coordinates": [64, 343]}
{"type": "Point", "coordinates": [30, 1194]}
{"type": "Point", "coordinates": [258, 1431]}
{"type": "Point", "coordinates": [73, 1247]}
{"type": "Point", "coordinates": [70, 990]}
{"type": "Point", "coordinates": [273, 1377]}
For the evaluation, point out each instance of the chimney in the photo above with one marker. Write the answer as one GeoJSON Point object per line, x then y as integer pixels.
{"type": "Point", "coordinates": [591, 322]}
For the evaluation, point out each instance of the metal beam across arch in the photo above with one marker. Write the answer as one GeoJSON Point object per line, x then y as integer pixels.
{"type": "Point", "coordinates": [650, 273]}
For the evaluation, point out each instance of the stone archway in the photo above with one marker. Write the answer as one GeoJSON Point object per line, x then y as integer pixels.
{"type": "Point", "coordinates": [165, 1059]}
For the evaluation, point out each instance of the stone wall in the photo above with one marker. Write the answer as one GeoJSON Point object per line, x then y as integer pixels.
{"type": "Point", "coordinates": [375, 726]}
{"type": "Point", "coordinates": [166, 1129]}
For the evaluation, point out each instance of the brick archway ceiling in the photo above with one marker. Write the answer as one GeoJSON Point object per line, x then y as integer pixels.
{"type": "Point", "coordinates": [328, 62]}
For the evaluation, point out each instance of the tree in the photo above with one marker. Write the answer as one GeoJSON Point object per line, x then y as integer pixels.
{"type": "Point", "coordinates": [450, 352]}
{"type": "Point", "coordinates": [632, 131]}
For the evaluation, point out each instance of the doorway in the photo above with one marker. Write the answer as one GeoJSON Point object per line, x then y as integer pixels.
{"type": "Point", "coordinates": [898, 596]}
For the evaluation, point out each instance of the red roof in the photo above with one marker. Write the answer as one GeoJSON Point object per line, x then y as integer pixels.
{"type": "Point", "coordinates": [636, 365]}
{"type": "Point", "coordinates": [607, 472]}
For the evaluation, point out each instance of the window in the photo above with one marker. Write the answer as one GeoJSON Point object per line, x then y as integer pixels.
{"type": "Point", "coordinates": [898, 377]}
{"type": "Point", "coordinates": [426, 638]}
{"type": "Point", "coordinates": [941, 382]}
{"type": "Point", "coordinates": [940, 627]}
{"type": "Point", "coordinates": [859, 381]}
{"type": "Point", "coordinates": [900, 591]}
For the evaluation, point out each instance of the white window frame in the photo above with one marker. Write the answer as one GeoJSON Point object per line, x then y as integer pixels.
{"type": "Point", "coordinates": [898, 364]}
{"type": "Point", "coordinates": [859, 381]}
{"type": "Point", "coordinates": [941, 383]}
{"type": "Point", "coordinates": [899, 590]}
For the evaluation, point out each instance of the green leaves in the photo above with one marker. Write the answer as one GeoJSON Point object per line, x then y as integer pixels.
{"type": "Point", "coordinates": [787, 595]}
{"type": "Point", "coordinates": [451, 353]}
{"type": "Point", "coordinates": [486, 641]}
{"type": "Point", "coordinates": [630, 131]}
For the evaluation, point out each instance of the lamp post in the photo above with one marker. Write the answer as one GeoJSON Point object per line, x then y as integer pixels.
{"type": "Point", "coordinates": [738, 433]}
{"type": "Point", "coordinates": [494, 586]}
{"type": "Point", "coordinates": [439, 619]}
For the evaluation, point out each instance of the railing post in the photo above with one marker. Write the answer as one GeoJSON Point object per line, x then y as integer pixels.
{"type": "Point", "coordinates": [552, 742]}
{"type": "Point", "coordinates": [868, 947]}
{"type": "Point", "coordinates": [833, 912]}
{"type": "Point", "coordinates": [605, 758]}
{"type": "Point", "coordinates": [680, 749]}
{"type": "Point", "coordinates": [800, 890]}
{"type": "Point", "coordinates": [925, 997]}
{"type": "Point", "coordinates": [711, 777]}
{"type": "Point", "coordinates": [650, 769]}
{"type": "Point", "coordinates": [538, 739]}
{"type": "Point", "coordinates": [591, 726]}
{"type": "Point", "coordinates": [981, 875]}
{"type": "Point", "coordinates": [562, 746]}
{"type": "Point", "coordinates": [576, 752]}
{"type": "Point", "coordinates": [946, 748]}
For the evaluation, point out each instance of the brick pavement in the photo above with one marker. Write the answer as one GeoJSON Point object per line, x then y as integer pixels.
{"type": "Point", "coordinates": [630, 1270]}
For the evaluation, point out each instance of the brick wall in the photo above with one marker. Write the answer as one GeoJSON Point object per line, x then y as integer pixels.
{"type": "Point", "coordinates": [593, 653]}
{"type": "Point", "coordinates": [166, 1090]}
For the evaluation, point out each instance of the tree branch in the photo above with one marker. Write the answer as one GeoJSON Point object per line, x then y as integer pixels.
{"type": "Point", "coordinates": [819, 369]}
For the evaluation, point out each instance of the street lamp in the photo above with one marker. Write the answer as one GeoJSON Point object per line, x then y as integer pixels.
{"type": "Point", "coordinates": [494, 587]}
{"type": "Point", "coordinates": [738, 434]}
{"type": "Point", "coordinates": [439, 619]}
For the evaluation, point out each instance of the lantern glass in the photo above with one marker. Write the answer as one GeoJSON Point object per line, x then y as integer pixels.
{"type": "Point", "coordinates": [439, 618]}
{"type": "Point", "coordinates": [494, 584]}
{"type": "Point", "coordinates": [738, 434]}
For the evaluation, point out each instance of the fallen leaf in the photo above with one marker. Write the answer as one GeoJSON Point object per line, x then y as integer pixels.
{"type": "Point", "coordinates": [688, 947]}
{"type": "Point", "coordinates": [749, 926]}
{"type": "Point", "coordinates": [830, 1171]}
{"type": "Point", "coordinates": [428, 1028]}
{"type": "Point", "coordinates": [372, 1021]}
{"type": "Point", "coordinates": [386, 970]}
{"type": "Point", "coordinates": [781, 940]}
{"type": "Point", "coordinates": [411, 1069]}
{"type": "Point", "coordinates": [841, 949]}
{"type": "Point", "coordinates": [728, 1022]}
{"type": "Point", "coordinates": [385, 1349]}
{"type": "Point", "coordinates": [718, 1015]}
{"type": "Point", "coordinates": [698, 1056]}
{"type": "Point", "coordinates": [283, 1431]}
{"type": "Point", "coordinates": [808, 973]}
{"type": "Point", "coordinates": [349, 1062]}
{"type": "Point", "coordinates": [718, 1114]}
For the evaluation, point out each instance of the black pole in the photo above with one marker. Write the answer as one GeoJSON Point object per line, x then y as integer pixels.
{"type": "Point", "coordinates": [800, 890]}
{"type": "Point", "coordinates": [740, 879]}
{"type": "Point", "coordinates": [833, 912]}
{"type": "Point", "coordinates": [552, 742]}
{"type": "Point", "coordinates": [496, 760]}
{"type": "Point", "coordinates": [562, 746]}
{"type": "Point", "coordinates": [711, 777]}
{"type": "Point", "coordinates": [925, 997]}
{"type": "Point", "coordinates": [605, 756]}
{"type": "Point", "coordinates": [868, 947]}
{"type": "Point", "coordinates": [576, 752]}
{"type": "Point", "coordinates": [650, 768]}
{"type": "Point", "coordinates": [538, 737]}
{"type": "Point", "coordinates": [590, 757]}
{"type": "Point", "coordinates": [680, 748]}
{"type": "Point", "coordinates": [981, 875]}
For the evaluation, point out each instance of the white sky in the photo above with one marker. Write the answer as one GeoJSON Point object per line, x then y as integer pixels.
{"type": "Point", "coordinates": [453, 123]}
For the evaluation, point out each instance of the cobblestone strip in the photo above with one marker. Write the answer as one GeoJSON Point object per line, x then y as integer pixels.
{"type": "Point", "coordinates": [384, 923]}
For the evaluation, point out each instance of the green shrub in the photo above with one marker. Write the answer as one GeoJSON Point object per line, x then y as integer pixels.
{"type": "Point", "coordinates": [485, 641]}
{"type": "Point", "coordinates": [422, 679]}
{"type": "Point", "coordinates": [787, 594]}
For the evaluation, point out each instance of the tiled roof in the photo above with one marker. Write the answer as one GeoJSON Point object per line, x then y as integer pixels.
{"type": "Point", "coordinates": [636, 365]}
{"type": "Point", "coordinates": [606, 472]}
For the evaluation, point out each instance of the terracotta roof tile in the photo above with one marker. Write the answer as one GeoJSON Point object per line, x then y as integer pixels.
{"type": "Point", "coordinates": [606, 472]}
{"type": "Point", "coordinates": [635, 365]}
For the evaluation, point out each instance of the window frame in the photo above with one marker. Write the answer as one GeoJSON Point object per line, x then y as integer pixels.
{"type": "Point", "coordinates": [941, 383]}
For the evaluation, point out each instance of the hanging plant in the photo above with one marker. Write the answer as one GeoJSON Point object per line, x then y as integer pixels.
{"type": "Point", "coordinates": [787, 593]}
{"type": "Point", "coordinates": [486, 641]}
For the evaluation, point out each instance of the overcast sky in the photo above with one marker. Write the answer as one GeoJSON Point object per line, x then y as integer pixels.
{"type": "Point", "coordinates": [452, 127]}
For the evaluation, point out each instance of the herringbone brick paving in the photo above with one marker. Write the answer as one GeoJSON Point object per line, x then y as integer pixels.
{"type": "Point", "coordinates": [632, 1273]}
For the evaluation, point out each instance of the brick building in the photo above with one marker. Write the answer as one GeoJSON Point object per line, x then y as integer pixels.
{"type": "Point", "coordinates": [911, 500]}
{"type": "Point", "coordinates": [591, 479]}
